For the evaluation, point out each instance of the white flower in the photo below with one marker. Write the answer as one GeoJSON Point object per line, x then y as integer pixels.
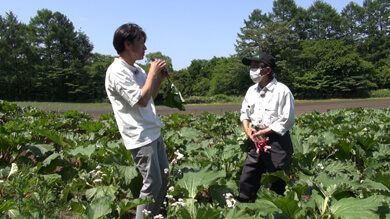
{"type": "Point", "coordinates": [321, 166]}
{"type": "Point", "coordinates": [158, 217]}
{"type": "Point", "coordinates": [171, 189]}
{"type": "Point", "coordinates": [228, 195]}
{"type": "Point", "coordinates": [230, 201]}
{"type": "Point", "coordinates": [179, 155]}
{"type": "Point", "coordinates": [98, 167]}
{"type": "Point", "coordinates": [179, 202]}
{"type": "Point", "coordinates": [146, 212]}
{"type": "Point", "coordinates": [361, 181]}
{"type": "Point", "coordinates": [166, 170]}
{"type": "Point", "coordinates": [170, 197]}
{"type": "Point", "coordinates": [1, 181]}
{"type": "Point", "coordinates": [97, 180]}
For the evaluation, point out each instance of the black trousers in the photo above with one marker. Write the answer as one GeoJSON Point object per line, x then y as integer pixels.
{"type": "Point", "coordinates": [280, 157]}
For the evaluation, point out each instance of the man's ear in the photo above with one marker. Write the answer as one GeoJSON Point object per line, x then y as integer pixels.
{"type": "Point", "coordinates": [127, 43]}
{"type": "Point", "coordinates": [268, 70]}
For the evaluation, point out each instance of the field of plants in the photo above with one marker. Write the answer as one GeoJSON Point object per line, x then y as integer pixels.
{"type": "Point", "coordinates": [72, 166]}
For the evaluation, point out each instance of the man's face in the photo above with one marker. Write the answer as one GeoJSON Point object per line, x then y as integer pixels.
{"type": "Point", "coordinates": [255, 64]}
{"type": "Point", "coordinates": [263, 71]}
{"type": "Point", "coordinates": [137, 48]}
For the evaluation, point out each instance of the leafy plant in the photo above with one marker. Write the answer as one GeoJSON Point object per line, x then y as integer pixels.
{"type": "Point", "coordinates": [80, 168]}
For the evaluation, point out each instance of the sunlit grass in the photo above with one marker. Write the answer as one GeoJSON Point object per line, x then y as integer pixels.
{"type": "Point", "coordinates": [64, 106]}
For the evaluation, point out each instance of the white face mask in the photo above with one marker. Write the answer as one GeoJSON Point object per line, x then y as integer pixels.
{"type": "Point", "coordinates": [255, 75]}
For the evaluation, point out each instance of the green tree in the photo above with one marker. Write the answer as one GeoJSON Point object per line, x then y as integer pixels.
{"type": "Point", "coordinates": [63, 52]}
{"type": "Point", "coordinates": [352, 17]}
{"type": "Point", "coordinates": [96, 71]}
{"type": "Point", "coordinates": [202, 85]}
{"type": "Point", "coordinates": [16, 72]}
{"type": "Point", "coordinates": [182, 81]}
{"type": "Point", "coordinates": [230, 77]}
{"type": "Point", "coordinates": [284, 10]}
{"type": "Point", "coordinates": [376, 29]}
{"type": "Point", "coordinates": [251, 39]}
{"type": "Point", "coordinates": [275, 34]}
{"type": "Point", "coordinates": [375, 46]}
{"type": "Point", "coordinates": [325, 21]}
{"type": "Point", "coordinates": [331, 68]}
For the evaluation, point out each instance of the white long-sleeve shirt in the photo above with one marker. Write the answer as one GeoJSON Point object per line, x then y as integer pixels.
{"type": "Point", "coordinates": [271, 107]}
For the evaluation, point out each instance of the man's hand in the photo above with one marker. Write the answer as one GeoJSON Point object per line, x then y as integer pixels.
{"type": "Point", "coordinates": [157, 69]}
{"type": "Point", "coordinates": [250, 132]}
{"type": "Point", "coordinates": [262, 133]}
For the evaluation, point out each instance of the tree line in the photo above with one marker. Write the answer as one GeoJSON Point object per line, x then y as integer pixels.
{"type": "Point", "coordinates": [320, 53]}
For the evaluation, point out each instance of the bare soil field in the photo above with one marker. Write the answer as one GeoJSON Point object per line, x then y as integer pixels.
{"type": "Point", "coordinates": [299, 107]}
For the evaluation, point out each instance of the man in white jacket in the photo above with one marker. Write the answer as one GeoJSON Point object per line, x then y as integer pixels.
{"type": "Point", "coordinates": [269, 108]}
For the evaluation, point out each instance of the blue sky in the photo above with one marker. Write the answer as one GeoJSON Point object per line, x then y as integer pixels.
{"type": "Point", "coordinates": [183, 30]}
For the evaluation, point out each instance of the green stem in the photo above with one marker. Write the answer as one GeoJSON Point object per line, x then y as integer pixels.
{"type": "Point", "coordinates": [325, 205]}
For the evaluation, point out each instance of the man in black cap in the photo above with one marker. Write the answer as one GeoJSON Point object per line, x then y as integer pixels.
{"type": "Point", "coordinates": [267, 112]}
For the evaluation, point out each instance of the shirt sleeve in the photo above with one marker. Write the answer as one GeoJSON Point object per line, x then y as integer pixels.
{"type": "Point", "coordinates": [245, 109]}
{"type": "Point", "coordinates": [125, 85]}
{"type": "Point", "coordinates": [286, 116]}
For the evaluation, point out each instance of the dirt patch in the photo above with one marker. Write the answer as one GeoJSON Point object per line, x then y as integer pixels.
{"type": "Point", "coordinates": [299, 107]}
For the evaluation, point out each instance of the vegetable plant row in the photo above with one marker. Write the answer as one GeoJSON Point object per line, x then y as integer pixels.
{"type": "Point", "coordinates": [72, 166]}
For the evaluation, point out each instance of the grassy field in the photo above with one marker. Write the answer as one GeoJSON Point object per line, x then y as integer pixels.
{"type": "Point", "coordinates": [63, 106]}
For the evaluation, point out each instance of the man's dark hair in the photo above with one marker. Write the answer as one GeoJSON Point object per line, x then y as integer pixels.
{"type": "Point", "coordinates": [127, 32]}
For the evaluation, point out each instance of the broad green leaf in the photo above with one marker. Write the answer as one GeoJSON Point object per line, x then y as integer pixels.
{"type": "Point", "coordinates": [374, 186]}
{"type": "Point", "coordinates": [190, 133]}
{"type": "Point", "coordinates": [85, 151]}
{"type": "Point", "coordinates": [100, 192]}
{"type": "Point", "coordinates": [125, 204]}
{"type": "Point", "coordinates": [52, 135]}
{"type": "Point", "coordinates": [272, 177]}
{"type": "Point", "coordinates": [262, 208]}
{"type": "Point", "coordinates": [50, 158]}
{"type": "Point", "coordinates": [356, 208]}
{"type": "Point", "coordinates": [337, 167]}
{"type": "Point", "coordinates": [238, 212]}
{"type": "Point", "coordinates": [288, 205]}
{"type": "Point", "coordinates": [328, 185]}
{"type": "Point", "coordinates": [208, 212]}
{"type": "Point", "coordinates": [40, 149]}
{"type": "Point", "coordinates": [127, 172]}
{"type": "Point", "coordinates": [172, 97]}
{"type": "Point", "coordinates": [193, 181]}
{"type": "Point", "coordinates": [98, 208]}
{"type": "Point", "coordinates": [318, 199]}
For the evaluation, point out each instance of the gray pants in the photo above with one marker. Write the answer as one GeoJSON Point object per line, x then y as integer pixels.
{"type": "Point", "coordinates": [151, 161]}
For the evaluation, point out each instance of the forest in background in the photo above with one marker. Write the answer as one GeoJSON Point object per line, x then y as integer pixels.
{"type": "Point", "coordinates": [320, 53]}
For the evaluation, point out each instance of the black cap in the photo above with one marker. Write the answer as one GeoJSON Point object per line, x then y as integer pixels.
{"type": "Point", "coordinates": [263, 57]}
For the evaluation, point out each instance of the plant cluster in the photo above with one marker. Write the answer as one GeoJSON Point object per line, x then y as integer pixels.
{"type": "Point", "coordinates": [70, 166]}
